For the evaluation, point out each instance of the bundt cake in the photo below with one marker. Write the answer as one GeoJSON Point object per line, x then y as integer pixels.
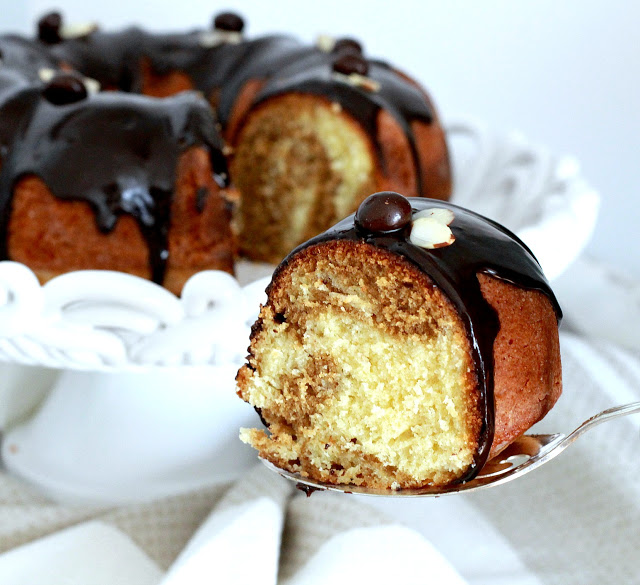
{"type": "Point", "coordinates": [137, 178]}
{"type": "Point", "coordinates": [401, 348]}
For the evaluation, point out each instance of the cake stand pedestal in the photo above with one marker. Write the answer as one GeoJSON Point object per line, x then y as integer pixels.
{"type": "Point", "coordinates": [144, 404]}
{"type": "Point", "coordinates": [113, 437]}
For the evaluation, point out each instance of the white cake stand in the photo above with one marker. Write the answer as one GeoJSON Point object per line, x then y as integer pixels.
{"type": "Point", "coordinates": [144, 404]}
{"type": "Point", "coordinates": [138, 385]}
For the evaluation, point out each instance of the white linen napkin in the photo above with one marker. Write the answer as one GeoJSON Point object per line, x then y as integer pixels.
{"type": "Point", "coordinates": [380, 554]}
{"type": "Point", "coordinates": [259, 530]}
{"type": "Point", "coordinates": [599, 302]}
{"type": "Point", "coordinates": [240, 541]}
{"type": "Point", "coordinates": [261, 533]}
{"type": "Point", "coordinates": [329, 536]}
{"type": "Point", "coordinates": [88, 554]}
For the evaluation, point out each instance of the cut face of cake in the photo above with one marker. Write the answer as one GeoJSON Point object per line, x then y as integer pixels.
{"type": "Point", "coordinates": [402, 348]}
{"type": "Point", "coordinates": [322, 135]}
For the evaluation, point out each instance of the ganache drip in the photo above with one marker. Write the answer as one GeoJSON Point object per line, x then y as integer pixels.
{"type": "Point", "coordinates": [138, 142]}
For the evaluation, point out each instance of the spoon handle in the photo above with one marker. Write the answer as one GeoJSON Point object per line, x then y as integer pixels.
{"type": "Point", "coordinates": [604, 416]}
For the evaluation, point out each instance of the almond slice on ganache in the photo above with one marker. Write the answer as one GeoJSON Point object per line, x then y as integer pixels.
{"type": "Point", "coordinates": [77, 30]}
{"type": "Point", "coordinates": [440, 214]}
{"type": "Point", "coordinates": [430, 229]}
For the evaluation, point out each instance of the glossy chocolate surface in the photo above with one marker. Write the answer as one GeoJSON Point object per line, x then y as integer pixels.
{"type": "Point", "coordinates": [113, 59]}
{"type": "Point", "coordinates": [383, 212]}
{"type": "Point", "coordinates": [137, 141]}
{"type": "Point", "coordinates": [25, 57]}
{"type": "Point", "coordinates": [281, 62]}
{"type": "Point", "coordinates": [481, 246]}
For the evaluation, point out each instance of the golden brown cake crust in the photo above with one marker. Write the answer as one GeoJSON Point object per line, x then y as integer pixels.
{"type": "Point", "coordinates": [436, 175]}
{"type": "Point", "coordinates": [527, 367]}
{"type": "Point", "coordinates": [54, 236]}
{"type": "Point", "coordinates": [156, 85]}
{"type": "Point", "coordinates": [396, 168]}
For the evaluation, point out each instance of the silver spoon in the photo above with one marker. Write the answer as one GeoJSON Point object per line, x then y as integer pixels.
{"type": "Point", "coordinates": [522, 456]}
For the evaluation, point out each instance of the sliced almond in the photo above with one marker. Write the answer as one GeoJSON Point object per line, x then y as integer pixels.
{"type": "Point", "coordinates": [46, 75]}
{"type": "Point", "coordinates": [440, 214]}
{"type": "Point", "coordinates": [77, 30]}
{"type": "Point", "coordinates": [430, 233]}
{"type": "Point", "coordinates": [364, 82]}
{"type": "Point", "coordinates": [213, 38]}
{"type": "Point", "coordinates": [358, 80]}
{"type": "Point", "coordinates": [325, 43]}
{"type": "Point", "coordinates": [92, 85]}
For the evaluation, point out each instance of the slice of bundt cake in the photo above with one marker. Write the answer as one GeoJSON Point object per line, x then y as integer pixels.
{"type": "Point", "coordinates": [310, 130]}
{"type": "Point", "coordinates": [402, 348]}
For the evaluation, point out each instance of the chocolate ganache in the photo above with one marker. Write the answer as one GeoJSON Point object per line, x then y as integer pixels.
{"type": "Point", "coordinates": [136, 140]}
{"type": "Point", "coordinates": [481, 246]}
{"type": "Point", "coordinates": [25, 57]}
{"type": "Point", "coordinates": [220, 69]}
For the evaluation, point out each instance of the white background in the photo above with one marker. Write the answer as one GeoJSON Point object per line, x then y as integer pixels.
{"type": "Point", "coordinates": [566, 73]}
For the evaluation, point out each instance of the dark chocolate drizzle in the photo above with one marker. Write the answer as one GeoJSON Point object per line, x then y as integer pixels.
{"type": "Point", "coordinates": [136, 141]}
{"type": "Point", "coordinates": [26, 57]}
{"type": "Point", "coordinates": [307, 490]}
{"type": "Point", "coordinates": [127, 133]}
{"type": "Point", "coordinates": [113, 59]}
{"type": "Point", "coordinates": [220, 73]}
{"type": "Point", "coordinates": [481, 246]}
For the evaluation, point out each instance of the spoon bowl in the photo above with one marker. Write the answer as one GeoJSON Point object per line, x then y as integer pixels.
{"type": "Point", "coordinates": [525, 454]}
